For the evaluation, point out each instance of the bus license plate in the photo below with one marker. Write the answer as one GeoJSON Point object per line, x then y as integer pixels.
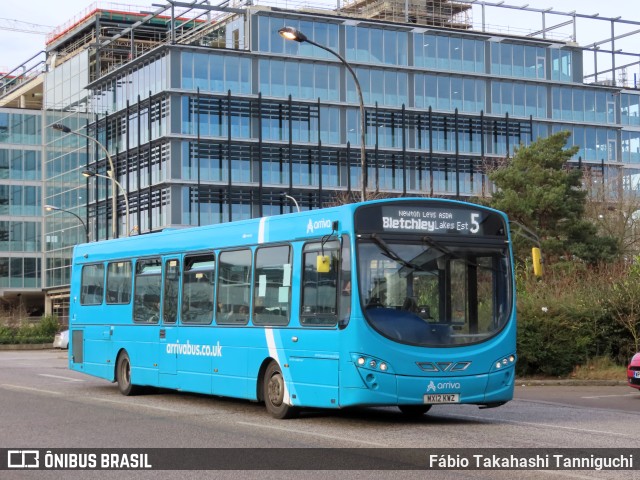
{"type": "Point", "coordinates": [636, 374]}
{"type": "Point", "coordinates": [442, 398]}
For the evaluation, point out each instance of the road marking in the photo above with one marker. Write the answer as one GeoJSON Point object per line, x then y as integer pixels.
{"type": "Point", "coordinates": [323, 435]}
{"type": "Point", "coordinates": [607, 396]}
{"type": "Point", "coordinates": [68, 379]}
{"type": "Point", "coordinates": [545, 425]}
{"type": "Point", "coordinates": [39, 390]}
{"type": "Point", "coordinates": [131, 404]}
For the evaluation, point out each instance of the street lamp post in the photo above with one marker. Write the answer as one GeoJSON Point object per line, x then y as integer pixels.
{"type": "Point", "coordinates": [91, 173]}
{"type": "Point", "coordinates": [290, 33]}
{"type": "Point", "coordinates": [295, 202]}
{"type": "Point", "coordinates": [50, 208]}
{"type": "Point", "coordinates": [114, 230]}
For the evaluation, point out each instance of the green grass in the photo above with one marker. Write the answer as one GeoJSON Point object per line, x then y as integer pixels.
{"type": "Point", "coordinates": [600, 368]}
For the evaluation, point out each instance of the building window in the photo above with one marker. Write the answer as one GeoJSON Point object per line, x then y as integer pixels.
{"type": "Point", "coordinates": [376, 45]}
{"type": "Point", "coordinates": [561, 65]}
{"type": "Point", "coordinates": [321, 32]}
{"type": "Point", "coordinates": [630, 109]}
{"type": "Point", "coordinates": [522, 61]}
{"type": "Point", "coordinates": [216, 73]}
{"type": "Point", "coordinates": [281, 78]}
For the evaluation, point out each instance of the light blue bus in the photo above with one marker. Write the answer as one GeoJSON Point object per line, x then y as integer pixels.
{"type": "Point", "coordinates": [398, 302]}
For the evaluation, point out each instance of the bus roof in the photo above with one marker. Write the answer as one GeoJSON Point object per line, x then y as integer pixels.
{"type": "Point", "coordinates": [278, 228]}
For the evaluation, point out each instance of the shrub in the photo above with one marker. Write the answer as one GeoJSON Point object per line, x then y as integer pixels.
{"type": "Point", "coordinates": [29, 333]}
{"type": "Point", "coordinates": [564, 320]}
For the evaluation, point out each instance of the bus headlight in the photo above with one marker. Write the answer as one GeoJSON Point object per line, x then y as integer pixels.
{"type": "Point", "coordinates": [505, 362]}
{"type": "Point", "coordinates": [370, 363]}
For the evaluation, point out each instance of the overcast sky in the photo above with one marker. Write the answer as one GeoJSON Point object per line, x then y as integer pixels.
{"type": "Point", "coordinates": [17, 47]}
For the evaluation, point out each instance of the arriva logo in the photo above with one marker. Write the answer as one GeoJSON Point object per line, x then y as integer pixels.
{"type": "Point", "coordinates": [442, 385]}
{"type": "Point", "coordinates": [312, 226]}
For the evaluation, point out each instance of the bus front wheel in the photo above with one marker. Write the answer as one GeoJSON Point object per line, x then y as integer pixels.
{"type": "Point", "coordinates": [274, 392]}
{"type": "Point", "coordinates": [123, 376]}
{"type": "Point", "coordinates": [414, 411]}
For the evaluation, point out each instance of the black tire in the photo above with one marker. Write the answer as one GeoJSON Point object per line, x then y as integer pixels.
{"type": "Point", "coordinates": [414, 411]}
{"type": "Point", "coordinates": [123, 376]}
{"type": "Point", "coordinates": [273, 392]}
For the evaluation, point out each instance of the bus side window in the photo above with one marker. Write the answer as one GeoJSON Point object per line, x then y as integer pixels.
{"type": "Point", "coordinates": [92, 284]}
{"type": "Point", "coordinates": [234, 287]}
{"type": "Point", "coordinates": [345, 281]}
{"type": "Point", "coordinates": [171, 287]}
{"type": "Point", "coordinates": [320, 288]}
{"type": "Point", "coordinates": [197, 289]}
{"type": "Point", "coordinates": [119, 283]}
{"type": "Point", "coordinates": [272, 286]}
{"type": "Point", "coordinates": [146, 294]}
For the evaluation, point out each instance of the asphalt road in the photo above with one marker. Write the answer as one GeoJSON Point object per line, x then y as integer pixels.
{"type": "Point", "coordinates": [44, 405]}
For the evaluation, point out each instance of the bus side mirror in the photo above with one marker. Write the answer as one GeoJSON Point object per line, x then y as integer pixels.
{"type": "Point", "coordinates": [536, 257]}
{"type": "Point", "coordinates": [323, 265]}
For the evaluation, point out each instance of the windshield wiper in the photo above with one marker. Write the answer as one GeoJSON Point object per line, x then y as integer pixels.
{"type": "Point", "coordinates": [393, 255]}
{"type": "Point", "coordinates": [433, 244]}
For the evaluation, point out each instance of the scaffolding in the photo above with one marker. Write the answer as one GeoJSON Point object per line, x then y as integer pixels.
{"type": "Point", "coordinates": [438, 13]}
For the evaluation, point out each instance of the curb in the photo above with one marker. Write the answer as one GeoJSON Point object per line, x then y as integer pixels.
{"type": "Point", "coordinates": [27, 346]}
{"type": "Point", "coordinates": [569, 382]}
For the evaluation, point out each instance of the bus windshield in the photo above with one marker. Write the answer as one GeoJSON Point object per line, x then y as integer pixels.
{"type": "Point", "coordinates": [430, 292]}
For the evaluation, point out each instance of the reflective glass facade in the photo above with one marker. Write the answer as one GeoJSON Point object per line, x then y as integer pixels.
{"type": "Point", "coordinates": [65, 101]}
{"type": "Point", "coordinates": [20, 199]}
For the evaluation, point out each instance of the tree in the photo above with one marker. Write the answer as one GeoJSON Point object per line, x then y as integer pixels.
{"type": "Point", "coordinates": [537, 190]}
{"type": "Point", "coordinates": [613, 206]}
{"type": "Point", "coordinates": [622, 301]}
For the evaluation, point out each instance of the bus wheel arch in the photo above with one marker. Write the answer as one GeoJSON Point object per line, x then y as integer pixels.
{"type": "Point", "coordinates": [123, 375]}
{"type": "Point", "coordinates": [260, 382]}
{"type": "Point", "coordinates": [273, 391]}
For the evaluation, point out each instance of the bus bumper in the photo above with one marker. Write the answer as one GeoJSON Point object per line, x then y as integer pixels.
{"type": "Point", "coordinates": [390, 389]}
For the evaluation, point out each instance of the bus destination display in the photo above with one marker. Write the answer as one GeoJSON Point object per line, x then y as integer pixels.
{"type": "Point", "coordinates": [412, 219]}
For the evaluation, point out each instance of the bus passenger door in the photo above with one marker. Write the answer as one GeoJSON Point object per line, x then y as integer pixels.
{"type": "Point", "coordinates": [168, 333]}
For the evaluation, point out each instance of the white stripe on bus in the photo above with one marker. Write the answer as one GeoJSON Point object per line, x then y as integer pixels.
{"type": "Point", "coordinates": [261, 229]}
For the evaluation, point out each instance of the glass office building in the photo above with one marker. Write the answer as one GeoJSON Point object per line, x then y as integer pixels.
{"type": "Point", "coordinates": [210, 116]}
{"type": "Point", "coordinates": [21, 209]}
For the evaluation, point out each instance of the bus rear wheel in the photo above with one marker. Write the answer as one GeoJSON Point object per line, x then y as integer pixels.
{"type": "Point", "coordinates": [123, 376]}
{"type": "Point", "coordinates": [273, 393]}
{"type": "Point", "coordinates": [414, 411]}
